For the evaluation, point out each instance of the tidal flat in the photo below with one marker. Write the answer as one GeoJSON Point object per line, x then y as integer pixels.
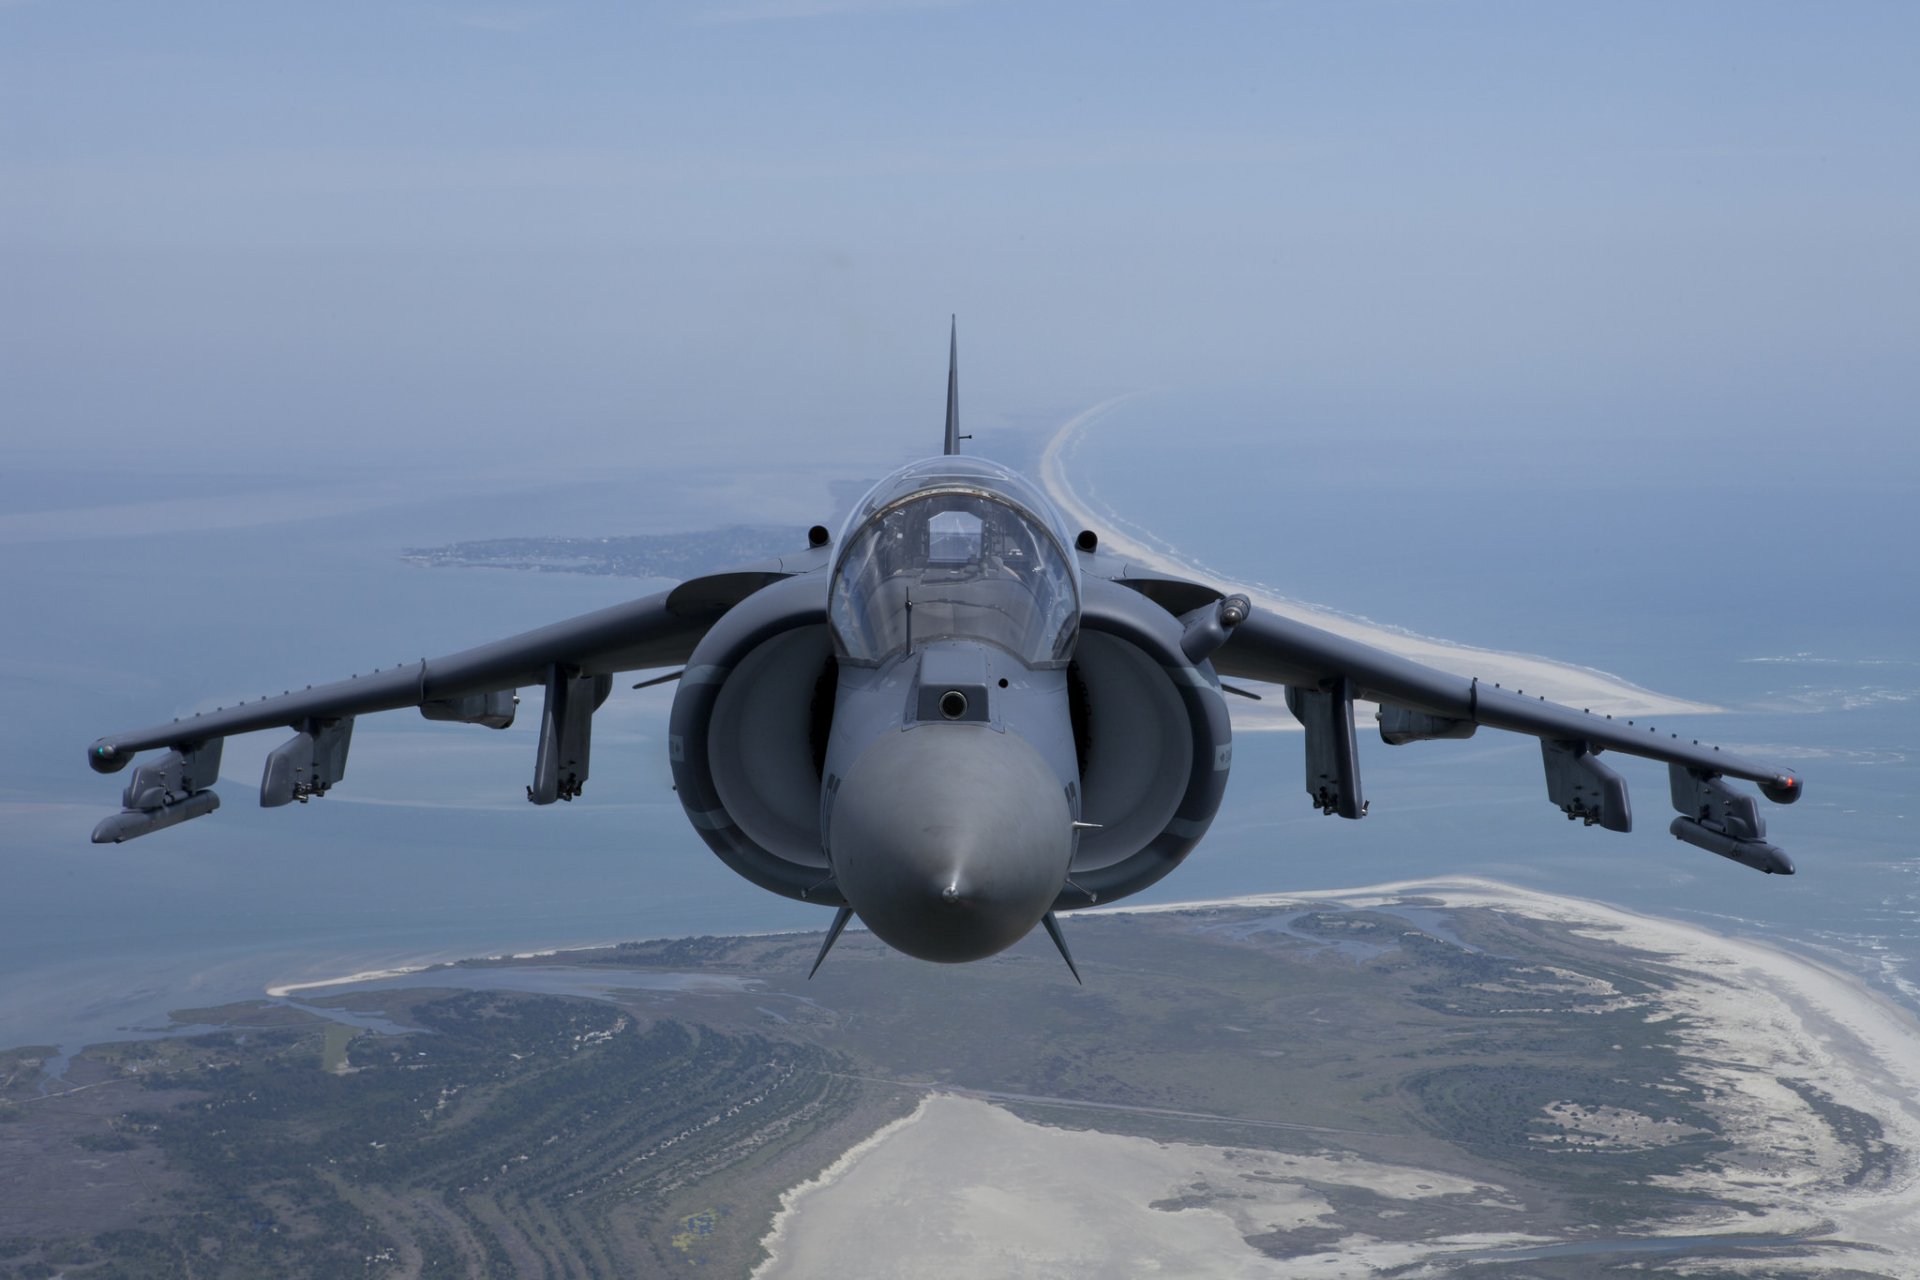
{"type": "Point", "coordinates": [1441, 1079]}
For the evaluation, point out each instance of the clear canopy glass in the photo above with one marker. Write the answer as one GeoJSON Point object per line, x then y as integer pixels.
{"type": "Point", "coordinates": [955, 548]}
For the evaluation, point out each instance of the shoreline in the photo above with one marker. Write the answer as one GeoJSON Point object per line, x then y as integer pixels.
{"type": "Point", "coordinates": [505, 959]}
{"type": "Point", "coordinates": [1753, 1016]}
{"type": "Point", "coordinates": [1600, 691]}
{"type": "Point", "coordinates": [790, 1199]}
{"type": "Point", "coordinates": [284, 990]}
{"type": "Point", "coordinates": [1769, 1032]}
{"type": "Point", "coordinates": [1761, 1029]}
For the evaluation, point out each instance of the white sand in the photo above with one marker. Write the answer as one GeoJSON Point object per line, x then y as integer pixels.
{"type": "Point", "coordinates": [965, 1188]}
{"type": "Point", "coordinates": [1562, 682]}
{"type": "Point", "coordinates": [282, 990]}
{"type": "Point", "coordinates": [1582, 1127]}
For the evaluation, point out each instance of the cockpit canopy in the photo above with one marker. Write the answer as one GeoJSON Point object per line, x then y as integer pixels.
{"type": "Point", "coordinates": [955, 548]}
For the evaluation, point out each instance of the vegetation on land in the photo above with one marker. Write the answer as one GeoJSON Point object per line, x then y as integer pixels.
{"type": "Point", "coordinates": [652, 1130]}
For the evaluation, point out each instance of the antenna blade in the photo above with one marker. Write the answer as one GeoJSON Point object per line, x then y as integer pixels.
{"type": "Point", "coordinates": [840, 919]}
{"type": "Point", "coordinates": [1060, 941]}
{"type": "Point", "coordinates": [953, 387]}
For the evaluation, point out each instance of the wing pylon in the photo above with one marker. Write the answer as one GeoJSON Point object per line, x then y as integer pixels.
{"type": "Point", "coordinates": [573, 662]}
{"type": "Point", "coordinates": [1324, 674]}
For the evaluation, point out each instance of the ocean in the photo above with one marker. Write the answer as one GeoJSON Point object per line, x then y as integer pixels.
{"type": "Point", "coordinates": [1777, 593]}
{"type": "Point", "coordinates": [140, 591]}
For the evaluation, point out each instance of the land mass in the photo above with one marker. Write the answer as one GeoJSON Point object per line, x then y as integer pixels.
{"type": "Point", "coordinates": [1443, 1080]}
{"type": "Point", "coordinates": [652, 555]}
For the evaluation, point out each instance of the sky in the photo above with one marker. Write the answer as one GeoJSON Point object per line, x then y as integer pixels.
{"type": "Point", "coordinates": [289, 285]}
{"type": "Point", "coordinates": [364, 233]}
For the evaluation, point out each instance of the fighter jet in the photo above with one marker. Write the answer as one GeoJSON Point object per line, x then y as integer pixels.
{"type": "Point", "coordinates": [955, 719]}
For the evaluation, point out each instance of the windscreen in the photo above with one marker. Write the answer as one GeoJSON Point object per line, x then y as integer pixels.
{"type": "Point", "coordinates": [956, 564]}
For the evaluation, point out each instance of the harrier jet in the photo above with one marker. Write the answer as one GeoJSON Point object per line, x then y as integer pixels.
{"type": "Point", "coordinates": [956, 718]}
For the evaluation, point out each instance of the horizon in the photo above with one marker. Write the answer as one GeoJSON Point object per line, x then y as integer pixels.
{"type": "Point", "coordinates": [555, 229]}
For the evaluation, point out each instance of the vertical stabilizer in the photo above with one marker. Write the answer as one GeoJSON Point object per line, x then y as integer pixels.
{"type": "Point", "coordinates": [953, 388]}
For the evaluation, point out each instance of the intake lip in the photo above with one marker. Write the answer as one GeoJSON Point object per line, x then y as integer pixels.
{"type": "Point", "coordinates": [950, 841]}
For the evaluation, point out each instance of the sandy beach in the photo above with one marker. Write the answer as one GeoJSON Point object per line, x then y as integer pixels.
{"type": "Point", "coordinates": [1562, 682]}
{"type": "Point", "coordinates": [991, 1194]}
{"type": "Point", "coordinates": [281, 991]}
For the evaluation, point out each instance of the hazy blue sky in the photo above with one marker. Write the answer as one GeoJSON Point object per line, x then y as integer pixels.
{"type": "Point", "coordinates": [390, 226]}
{"type": "Point", "coordinates": [1617, 249]}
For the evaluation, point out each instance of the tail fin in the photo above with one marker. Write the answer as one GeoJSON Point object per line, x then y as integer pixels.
{"type": "Point", "coordinates": [953, 389]}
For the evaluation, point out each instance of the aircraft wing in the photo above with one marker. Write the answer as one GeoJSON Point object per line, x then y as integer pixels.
{"type": "Point", "coordinates": [574, 661]}
{"type": "Point", "coordinates": [1324, 673]}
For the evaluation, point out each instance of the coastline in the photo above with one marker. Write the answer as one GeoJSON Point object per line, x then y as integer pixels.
{"type": "Point", "coordinates": [281, 991]}
{"type": "Point", "coordinates": [1780, 1042]}
{"type": "Point", "coordinates": [1563, 682]}
{"type": "Point", "coordinates": [1752, 1016]}
{"type": "Point", "coordinates": [790, 1199]}
{"type": "Point", "coordinates": [1775, 1039]}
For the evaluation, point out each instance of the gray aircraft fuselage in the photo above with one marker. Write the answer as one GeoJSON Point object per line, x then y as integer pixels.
{"type": "Point", "coordinates": [951, 798]}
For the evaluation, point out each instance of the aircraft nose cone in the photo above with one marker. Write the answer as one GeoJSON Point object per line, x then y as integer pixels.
{"type": "Point", "coordinates": [951, 841]}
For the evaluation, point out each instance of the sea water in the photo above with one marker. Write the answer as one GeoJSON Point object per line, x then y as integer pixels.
{"type": "Point", "coordinates": [124, 609]}
{"type": "Point", "coordinates": [137, 592]}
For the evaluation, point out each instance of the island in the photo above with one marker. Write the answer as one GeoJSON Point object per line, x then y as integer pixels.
{"type": "Point", "coordinates": [673, 556]}
{"type": "Point", "coordinates": [1443, 1079]}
